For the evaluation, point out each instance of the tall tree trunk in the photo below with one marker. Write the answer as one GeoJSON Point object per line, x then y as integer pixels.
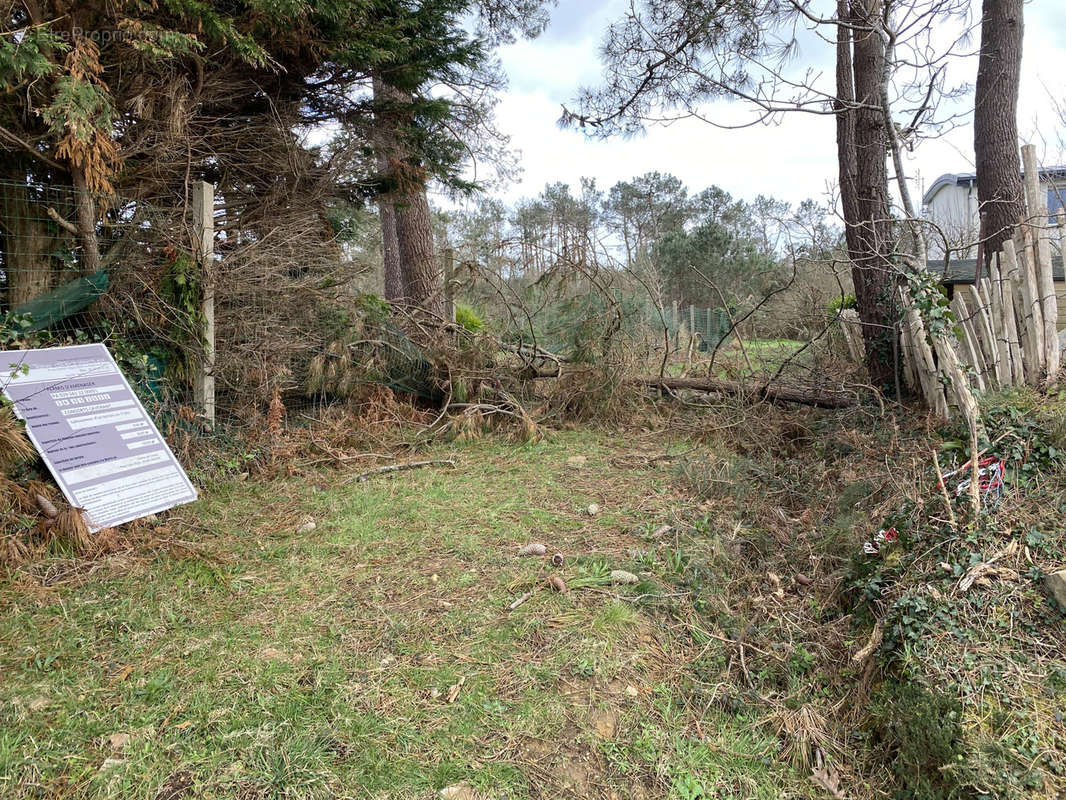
{"type": "Point", "coordinates": [386, 139]}
{"type": "Point", "coordinates": [861, 153]}
{"type": "Point", "coordinates": [390, 251]}
{"type": "Point", "coordinates": [418, 254]}
{"type": "Point", "coordinates": [27, 245]}
{"type": "Point", "coordinates": [419, 276]}
{"type": "Point", "coordinates": [85, 209]}
{"type": "Point", "coordinates": [995, 121]}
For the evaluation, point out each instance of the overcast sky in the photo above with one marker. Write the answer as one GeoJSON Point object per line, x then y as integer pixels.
{"type": "Point", "coordinates": [793, 160]}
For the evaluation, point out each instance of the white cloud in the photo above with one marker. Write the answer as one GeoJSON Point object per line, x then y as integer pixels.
{"type": "Point", "coordinates": [793, 160]}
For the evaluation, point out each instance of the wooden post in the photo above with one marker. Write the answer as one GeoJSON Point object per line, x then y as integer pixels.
{"type": "Point", "coordinates": [449, 284]}
{"type": "Point", "coordinates": [985, 334]}
{"type": "Point", "coordinates": [691, 330]}
{"type": "Point", "coordinates": [1027, 259]}
{"type": "Point", "coordinates": [1036, 199]}
{"type": "Point", "coordinates": [203, 210]}
{"type": "Point", "coordinates": [675, 320]}
{"type": "Point", "coordinates": [1008, 276]}
{"type": "Point", "coordinates": [995, 292]}
{"type": "Point", "coordinates": [851, 328]}
{"type": "Point", "coordinates": [970, 347]}
{"type": "Point", "coordinates": [925, 363]}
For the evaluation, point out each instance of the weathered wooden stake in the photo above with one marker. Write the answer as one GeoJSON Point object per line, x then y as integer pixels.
{"type": "Point", "coordinates": [1036, 199]}
{"type": "Point", "coordinates": [203, 210]}
{"type": "Point", "coordinates": [1017, 336]}
{"type": "Point", "coordinates": [970, 346]}
{"type": "Point", "coordinates": [985, 336]}
{"type": "Point", "coordinates": [1027, 259]}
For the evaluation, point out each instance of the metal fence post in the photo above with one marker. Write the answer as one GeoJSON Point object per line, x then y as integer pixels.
{"type": "Point", "coordinates": [203, 208]}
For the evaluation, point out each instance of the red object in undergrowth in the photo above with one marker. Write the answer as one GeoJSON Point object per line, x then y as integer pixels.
{"type": "Point", "coordinates": [883, 537]}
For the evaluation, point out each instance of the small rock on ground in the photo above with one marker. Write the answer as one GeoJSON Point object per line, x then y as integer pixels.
{"type": "Point", "coordinates": [1056, 582]}
{"type": "Point", "coordinates": [458, 791]}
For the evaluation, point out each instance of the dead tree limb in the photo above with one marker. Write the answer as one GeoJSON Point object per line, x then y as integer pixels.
{"type": "Point", "coordinates": [772, 392]}
{"type": "Point", "coordinates": [362, 476]}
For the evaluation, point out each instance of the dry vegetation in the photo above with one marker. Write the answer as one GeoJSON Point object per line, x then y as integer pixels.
{"type": "Point", "coordinates": [231, 650]}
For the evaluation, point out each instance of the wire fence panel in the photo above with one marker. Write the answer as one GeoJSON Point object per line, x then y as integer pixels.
{"type": "Point", "coordinates": [286, 290]}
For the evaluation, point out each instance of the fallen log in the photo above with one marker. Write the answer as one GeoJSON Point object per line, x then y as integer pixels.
{"type": "Point", "coordinates": [774, 392]}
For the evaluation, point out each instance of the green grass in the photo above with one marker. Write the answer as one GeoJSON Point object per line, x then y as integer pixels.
{"type": "Point", "coordinates": [764, 355]}
{"type": "Point", "coordinates": [243, 660]}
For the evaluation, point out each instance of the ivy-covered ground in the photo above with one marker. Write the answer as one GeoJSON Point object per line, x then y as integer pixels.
{"type": "Point", "coordinates": [240, 653]}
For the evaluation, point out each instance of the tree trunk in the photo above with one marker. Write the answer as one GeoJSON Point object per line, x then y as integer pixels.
{"type": "Point", "coordinates": [390, 251]}
{"type": "Point", "coordinates": [418, 255]}
{"type": "Point", "coordinates": [804, 395]}
{"type": "Point", "coordinates": [995, 121]}
{"type": "Point", "coordinates": [386, 145]}
{"type": "Point", "coordinates": [415, 275]}
{"type": "Point", "coordinates": [861, 153]}
{"type": "Point", "coordinates": [86, 222]}
{"type": "Point", "coordinates": [27, 245]}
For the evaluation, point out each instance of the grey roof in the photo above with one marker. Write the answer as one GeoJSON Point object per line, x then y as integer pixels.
{"type": "Point", "coordinates": [970, 178]}
{"type": "Point", "coordinates": [961, 270]}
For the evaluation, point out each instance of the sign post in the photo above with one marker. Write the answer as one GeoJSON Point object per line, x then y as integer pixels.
{"type": "Point", "coordinates": [101, 446]}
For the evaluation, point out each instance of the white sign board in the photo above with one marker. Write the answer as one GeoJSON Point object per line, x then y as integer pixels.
{"type": "Point", "coordinates": [103, 449]}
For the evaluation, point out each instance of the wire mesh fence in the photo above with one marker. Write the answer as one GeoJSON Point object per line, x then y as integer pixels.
{"type": "Point", "coordinates": [285, 288]}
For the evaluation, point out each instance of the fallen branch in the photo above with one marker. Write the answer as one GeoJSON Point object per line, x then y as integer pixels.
{"type": "Point", "coordinates": [66, 225]}
{"type": "Point", "coordinates": [519, 600]}
{"type": "Point", "coordinates": [362, 476]}
{"type": "Point", "coordinates": [772, 392]}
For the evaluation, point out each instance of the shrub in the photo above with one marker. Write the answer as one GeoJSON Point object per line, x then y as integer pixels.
{"type": "Point", "coordinates": [838, 304]}
{"type": "Point", "coordinates": [467, 318]}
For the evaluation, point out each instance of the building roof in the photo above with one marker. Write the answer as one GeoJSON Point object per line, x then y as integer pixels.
{"type": "Point", "coordinates": [970, 178]}
{"type": "Point", "coordinates": [962, 270]}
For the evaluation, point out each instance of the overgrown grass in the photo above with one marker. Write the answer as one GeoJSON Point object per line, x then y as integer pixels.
{"type": "Point", "coordinates": [760, 654]}
{"type": "Point", "coordinates": [373, 656]}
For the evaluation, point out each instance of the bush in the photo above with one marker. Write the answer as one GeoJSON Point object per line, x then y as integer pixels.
{"type": "Point", "coordinates": [467, 318]}
{"type": "Point", "coordinates": [838, 304]}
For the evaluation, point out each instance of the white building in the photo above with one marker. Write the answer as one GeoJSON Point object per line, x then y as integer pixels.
{"type": "Point", "coordinates": [951, 205]}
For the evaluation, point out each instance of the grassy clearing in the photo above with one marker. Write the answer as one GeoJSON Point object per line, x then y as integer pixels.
{"type": "Point", "coordinates": [761, 654]}
{"type": "Point", "coordinates": [374, 656]}
{"type": "Point", "coordinates": [756, 358]}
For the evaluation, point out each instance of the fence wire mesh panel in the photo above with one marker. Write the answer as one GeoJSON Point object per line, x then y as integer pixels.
{"type": "Point", "coordinates": [287, 289]}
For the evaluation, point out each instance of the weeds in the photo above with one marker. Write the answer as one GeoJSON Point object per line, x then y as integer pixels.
{"type": "Point", "coordinates": [762, 646]}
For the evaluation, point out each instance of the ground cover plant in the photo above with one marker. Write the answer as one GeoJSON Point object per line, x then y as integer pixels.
{"type": "Point", "coordinates": [239, 651]}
